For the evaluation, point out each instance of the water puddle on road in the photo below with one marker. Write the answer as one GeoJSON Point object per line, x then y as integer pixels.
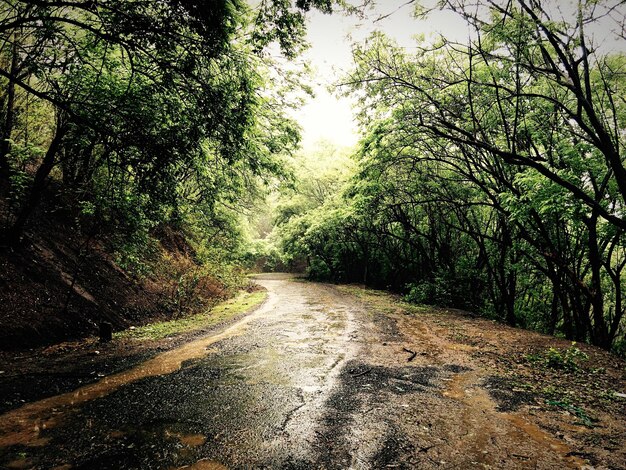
{"type": "Point", "coordinates": [457, 389]}
{"type": "Point", "coordinates": [19, 464]}
{"type": "Point", "coordinates": [24, 425]}
{"type": "Point", "coordinates": [203, 465]}
{"type": "Point", "coordinates": [542, 437]}
{"type": "Point", "coordinates": [192, 440]}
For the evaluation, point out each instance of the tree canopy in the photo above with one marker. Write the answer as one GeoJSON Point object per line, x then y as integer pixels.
{"type": "Point", "coordinates": [492, 174]}
{"type": "Point", "coordinates": [147, 111]}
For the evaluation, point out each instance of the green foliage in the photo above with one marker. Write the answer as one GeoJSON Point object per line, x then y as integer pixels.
{"type": "Point", "coordinates": [21, 157]}
{"type": "Point", "coordinates": [299, 216]}
{"type": "Point", "coordinates": [262, 255]}
{"type": "Point", "coordinates": [581, 414]}
{"type": "Point", "coordinates": [194, 284]}
{"type": "Point", "coordinates": [436, 292]}
{"type": "Point", "coordinates": [567, 360]}
{"type": "Point", "coordinates": [135, 254]}
{"type": "Point", "coordinates": [155, 106]}
{"type": "Point", "coordinates": [485, 179]}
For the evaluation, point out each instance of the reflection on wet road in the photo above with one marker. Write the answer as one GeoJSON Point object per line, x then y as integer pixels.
{"type": "Point", "coordinates": [314, 378]}
{"type": "Point", "coordinates": [250, 396]}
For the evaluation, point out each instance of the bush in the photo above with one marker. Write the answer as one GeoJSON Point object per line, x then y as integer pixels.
{"type": "Point", "coordinates": [567, 360]}
{"type": "Point", "coordinates": [439, 292]}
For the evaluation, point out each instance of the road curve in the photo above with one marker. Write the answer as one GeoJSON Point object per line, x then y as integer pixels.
{"type": "Point", "coordinates": [312, 379]}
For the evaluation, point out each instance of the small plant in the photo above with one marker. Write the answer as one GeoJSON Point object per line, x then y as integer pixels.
{"type": "Point", "coordinates": [550, 391]}
{"type": "Point", "coordinates": [581, 414]}
{"type": "Point", "coordinates": [567, 360]}
{"type": "Point", "coordinates": [611, 395]}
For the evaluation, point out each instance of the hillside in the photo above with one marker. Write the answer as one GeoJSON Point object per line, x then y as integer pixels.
{"type": "Point", "coordinates": [60, 284]}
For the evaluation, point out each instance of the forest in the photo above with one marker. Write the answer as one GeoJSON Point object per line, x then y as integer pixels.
{"type": "Point", "coordinates": [134, 135]}
{"type": "Point", "coordinates": [490, 175]}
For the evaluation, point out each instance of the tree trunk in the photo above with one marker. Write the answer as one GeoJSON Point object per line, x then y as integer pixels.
{"type": "Point", "coordinates": [14, 233]}
{"type": "Point", "coordinates": [568, 323]}
{"type": "Point", "coordinates": [599, 332]}
{"type": "Point", "coordinates": [554, 314]}
{"type": "Point", "coordinates": [9, 117]}
{"type": "Point", "coordinates": [510, 297]}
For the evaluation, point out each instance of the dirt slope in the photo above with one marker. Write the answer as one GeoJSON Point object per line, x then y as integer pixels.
{"type": "Point", "coordinates": [60, 284]}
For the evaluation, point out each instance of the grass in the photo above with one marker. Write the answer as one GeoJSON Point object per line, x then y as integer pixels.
{"type": "Point", "coordinates": [218, 314]}
{"type": "Point", "coordinates": [383, 300]}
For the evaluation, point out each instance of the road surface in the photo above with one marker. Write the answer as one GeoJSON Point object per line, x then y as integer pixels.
{"type": "Point", "coordinates": [312, 379]}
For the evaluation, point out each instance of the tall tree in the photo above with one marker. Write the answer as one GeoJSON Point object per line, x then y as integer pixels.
{"type": "Point", "coordinates": [159, 91]}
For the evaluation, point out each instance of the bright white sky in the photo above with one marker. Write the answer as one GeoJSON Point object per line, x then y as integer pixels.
{"type": "Point", "coordinates": [328, 117]}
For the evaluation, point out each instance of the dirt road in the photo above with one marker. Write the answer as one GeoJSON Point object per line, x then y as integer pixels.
{"type": "Point", "coordinates": [315, 378]}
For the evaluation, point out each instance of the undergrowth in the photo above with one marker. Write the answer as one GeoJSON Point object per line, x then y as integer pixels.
{"type": "Point", "coordinates": [568, 360]}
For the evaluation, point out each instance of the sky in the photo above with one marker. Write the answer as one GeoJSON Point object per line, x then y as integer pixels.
{"type": "Point", "coordinates": [329, 117]}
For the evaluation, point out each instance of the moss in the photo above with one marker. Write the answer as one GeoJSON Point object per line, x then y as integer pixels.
{"type": "Point", "coordinates": [218, 314]}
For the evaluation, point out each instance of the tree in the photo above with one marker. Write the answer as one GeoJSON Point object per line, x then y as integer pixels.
{"type": "Point", "coordinates": [159, 97]}
{"type": "Point", "coordinates": [518, 137]}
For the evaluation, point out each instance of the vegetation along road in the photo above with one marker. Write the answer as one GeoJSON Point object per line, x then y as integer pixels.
{"type": "Point", "coordinates": [468, 155]}
{"type": "Point", "coordinates": [337, 377]}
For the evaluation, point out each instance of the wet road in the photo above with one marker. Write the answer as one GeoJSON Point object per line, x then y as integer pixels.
{"type": "Point", "coordinates": [312, 379]}
{"type": "Point", "coordinates": [253, 397]}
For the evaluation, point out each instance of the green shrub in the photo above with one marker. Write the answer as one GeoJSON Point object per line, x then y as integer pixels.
{"type": "Point", "coordinates": [567, 360]}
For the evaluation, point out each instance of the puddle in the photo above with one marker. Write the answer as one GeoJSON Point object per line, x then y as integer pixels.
{"type": "Point", "coordinates": [24, 425]}
{"type": "Point", "coordinates": [456, 389]}
{"type": "Point", "coordinates": [542, 437]}
{"type": "Point", "coordinates": [192, 440]}
{"type": "Point", "coordinates": [19, 464]}
{"type": "Point", "coordinates": [204, 465]}
{"type": "Point", "coordinates": [117, 434]}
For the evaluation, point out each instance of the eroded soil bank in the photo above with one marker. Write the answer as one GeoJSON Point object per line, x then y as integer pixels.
{"type": "Point", "coordinates": [327, 377]}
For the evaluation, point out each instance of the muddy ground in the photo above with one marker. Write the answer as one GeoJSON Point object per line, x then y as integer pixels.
{"type": "Point", "coordinates": [327, 377]}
